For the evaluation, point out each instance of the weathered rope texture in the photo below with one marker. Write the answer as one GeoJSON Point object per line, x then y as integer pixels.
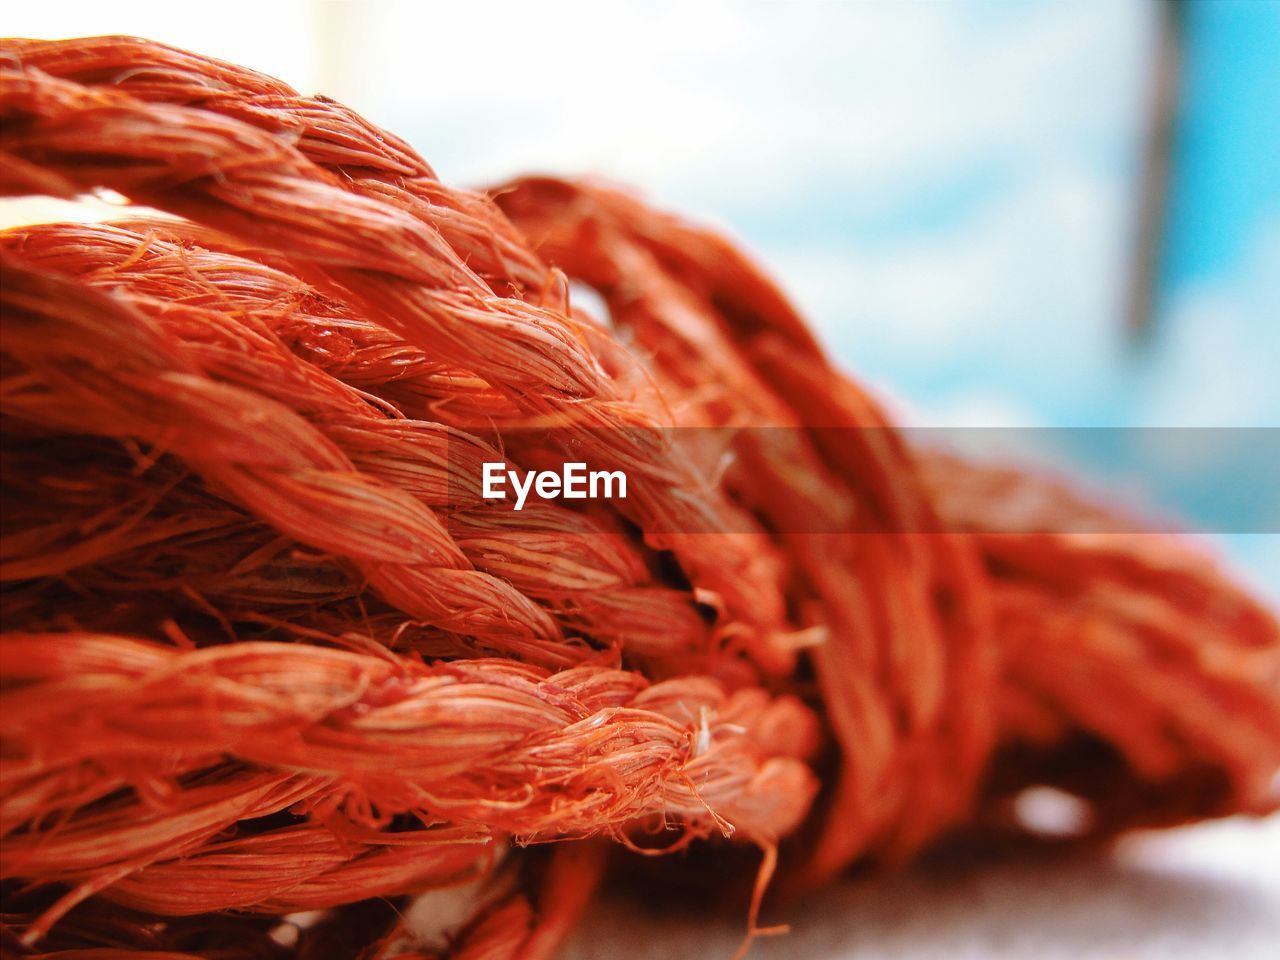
{"type": "Point", "coordinates": [267, 649]}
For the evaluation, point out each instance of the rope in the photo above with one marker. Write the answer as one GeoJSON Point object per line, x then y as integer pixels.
{"type": "Point", "coordinates": [267, 648]}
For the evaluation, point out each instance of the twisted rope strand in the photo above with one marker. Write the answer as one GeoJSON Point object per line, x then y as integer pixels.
{"type": "Point", "coordinates": [267, 649]}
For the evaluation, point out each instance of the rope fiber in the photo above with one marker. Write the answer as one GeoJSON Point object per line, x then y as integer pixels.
{"type": "Point", "coordinates": [268, 650]}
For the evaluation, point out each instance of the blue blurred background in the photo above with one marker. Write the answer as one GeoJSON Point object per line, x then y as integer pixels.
{"type": "Point", "coordinates": [949, 190]}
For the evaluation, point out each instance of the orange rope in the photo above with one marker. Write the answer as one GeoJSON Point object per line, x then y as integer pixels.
{"type": "Point", "coordinates": [268, 649]}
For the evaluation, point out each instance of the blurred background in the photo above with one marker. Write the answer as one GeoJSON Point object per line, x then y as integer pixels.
{"type": "Point", "coordinates": [1041, 214]}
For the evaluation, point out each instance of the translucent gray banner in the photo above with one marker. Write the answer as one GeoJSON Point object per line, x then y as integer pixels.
{"type": "Point", "coordinates": [855, 480]}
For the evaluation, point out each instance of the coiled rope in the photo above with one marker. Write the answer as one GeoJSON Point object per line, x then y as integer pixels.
{"type": "Point", "coordinates": [267, 648]}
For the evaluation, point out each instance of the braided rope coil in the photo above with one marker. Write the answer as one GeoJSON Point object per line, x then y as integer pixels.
{"type": "Point", "coordinates": [267, 649]}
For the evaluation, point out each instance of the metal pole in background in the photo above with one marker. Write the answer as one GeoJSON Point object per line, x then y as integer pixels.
{"type": "Point", "coordinates": [1153, 200]}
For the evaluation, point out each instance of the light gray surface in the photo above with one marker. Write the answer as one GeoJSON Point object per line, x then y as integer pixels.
{"type": "Point", "coordinates": [1204, 892]}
